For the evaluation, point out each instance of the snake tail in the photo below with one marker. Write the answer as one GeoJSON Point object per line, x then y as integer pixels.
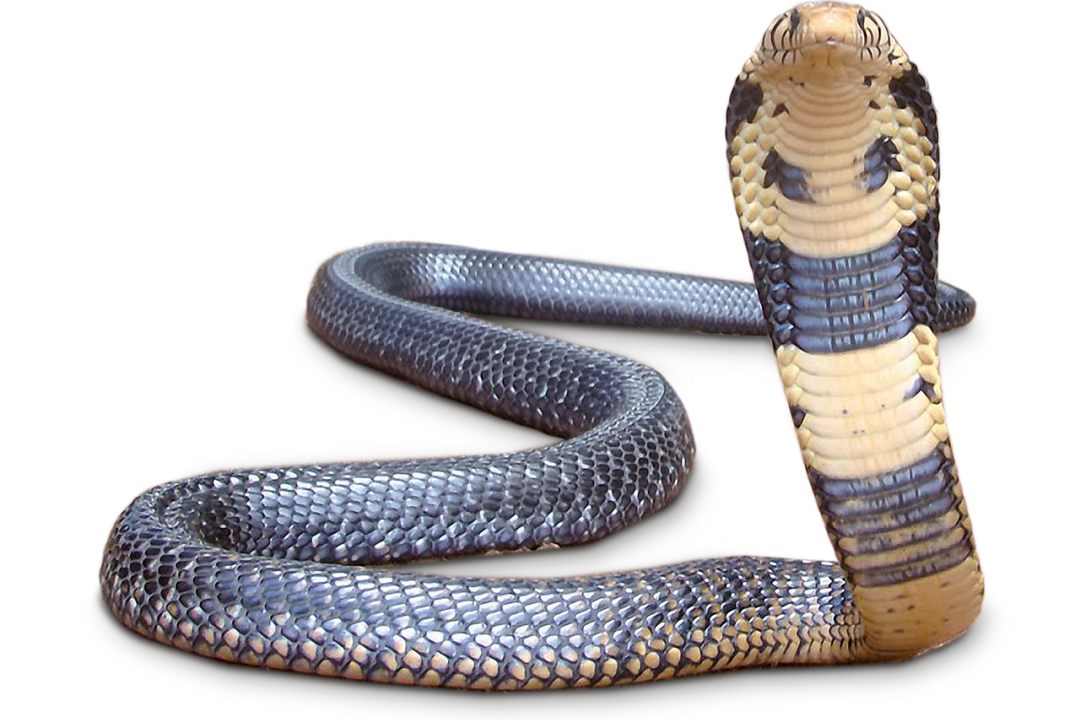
{"type": "Point", "coordinates": [833, 153]}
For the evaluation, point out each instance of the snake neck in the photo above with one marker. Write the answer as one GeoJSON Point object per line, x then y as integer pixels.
{"type": "Point", "coordinates": [833, 155]}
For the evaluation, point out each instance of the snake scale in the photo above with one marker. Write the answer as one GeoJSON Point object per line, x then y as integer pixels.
{"type": "Point", "coordinates": [833, 156]}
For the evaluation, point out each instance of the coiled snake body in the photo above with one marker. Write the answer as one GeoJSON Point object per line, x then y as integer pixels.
{"type": "Point", "coordinates": [832, 150]}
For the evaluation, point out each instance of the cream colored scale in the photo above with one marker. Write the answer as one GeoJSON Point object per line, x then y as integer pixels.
{"type": "Point", "coordinates": [826, 130]}
{"type": "Point", "coordinates": [861, 419]}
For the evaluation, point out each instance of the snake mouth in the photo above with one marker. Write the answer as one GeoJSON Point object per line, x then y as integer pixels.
{"type": "Point", "coordinates": [830, 44]}
{"type": "Point", "coordinates": [838, 47]}
{"type": "Point", "coordinates": [823, 60]}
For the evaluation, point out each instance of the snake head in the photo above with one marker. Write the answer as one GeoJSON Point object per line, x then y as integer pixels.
{"type": "Point", "coordinates": [820, 33]}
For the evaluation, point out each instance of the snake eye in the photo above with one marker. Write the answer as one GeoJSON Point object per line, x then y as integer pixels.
{"type": "Point", "coordinates": [794, 22]}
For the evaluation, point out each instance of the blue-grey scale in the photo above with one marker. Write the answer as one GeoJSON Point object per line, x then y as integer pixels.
{"type": "Point", "coordinates": [277, 567]}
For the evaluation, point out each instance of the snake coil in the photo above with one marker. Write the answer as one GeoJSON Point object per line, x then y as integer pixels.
{"type": "Point", "coordinates": [833, 154]}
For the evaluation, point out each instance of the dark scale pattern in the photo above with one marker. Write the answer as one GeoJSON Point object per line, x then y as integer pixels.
{"type": "Point", "coordinates": [250, 566]}
{"type": "Point", "coordinates": [909, 90]}
{"type": "Point", "coordinates": [524, 286]}
{"type": "Point", "coordinates": [479, 633]}
{"type": "Point", "coordinates": [273, 567]}
{"type": "Point", "coordinates": [868, 513]}
{"type": "Point", "coordinates": [630, 452]}
{"type": "Point", "coordinates": [880, 158]}
{"type": "Point", "coordinates": [792, 178]}
{"type": "Point", "coordinates": [841, 304]}
{"type": "Point", "coordinates": [236, 565]}
{"type": "Point", "coordinates": [926, 389]}
{"type": "Point", "coordinates": [746, 98]}
{"type": "Point", "coordinates": [920, 271]}
{"type": "Point", "coordinates": [954, 308]}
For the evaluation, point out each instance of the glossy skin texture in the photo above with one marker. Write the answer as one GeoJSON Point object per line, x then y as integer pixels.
{"type": "Point", "coordinates": [833, 152]}
{"type": "Point", "coordinates": [224, 564]}
{"type": "Point", "coordinates": [273, 567]}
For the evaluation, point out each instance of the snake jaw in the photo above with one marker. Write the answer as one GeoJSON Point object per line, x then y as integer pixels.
{"type": "Point", "coordinates": [826, 34]}
{"type": "Point", "coordinates": [835, 185]}
{"type": "Point", "coordinates": [834, 165]}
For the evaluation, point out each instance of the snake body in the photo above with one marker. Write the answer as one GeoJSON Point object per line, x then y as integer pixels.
{"type": "Point", "coordinates": [834, 170]}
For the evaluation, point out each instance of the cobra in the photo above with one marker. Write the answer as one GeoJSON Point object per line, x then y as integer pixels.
{"type": "Point", "coordinates": [833, 156]}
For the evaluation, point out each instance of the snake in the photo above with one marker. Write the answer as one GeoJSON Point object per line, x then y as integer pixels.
{"type": "Point", "coordinates": [833, 155]}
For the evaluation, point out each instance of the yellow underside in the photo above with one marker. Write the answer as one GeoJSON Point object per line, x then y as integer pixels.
{"type": "Point", "coordinates": [859, 423]}
{"type": "Point", "coordinates": [864, 412]}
